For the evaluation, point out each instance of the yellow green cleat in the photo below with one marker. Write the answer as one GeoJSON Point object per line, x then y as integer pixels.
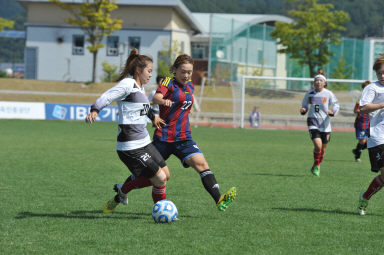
{"type": "Point", "coordinates": [315, 170]}
{"type": "Point", "coordinates": [226, 199]}
{"type": "Point", "coordinates": [110, 206]}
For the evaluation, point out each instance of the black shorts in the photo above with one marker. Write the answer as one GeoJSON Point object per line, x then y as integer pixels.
{"type": "Point", "coordinates": [144, 161]}
{"type": "Point", "coordinates": [315, 133]}
{"type": "Point", "coordinates": [376, 156]}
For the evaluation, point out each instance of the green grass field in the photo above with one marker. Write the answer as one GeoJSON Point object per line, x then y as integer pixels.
{"type": "Point", "coordinates": [56, 177]}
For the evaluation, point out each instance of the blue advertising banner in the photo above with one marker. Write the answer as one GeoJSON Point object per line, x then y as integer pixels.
{"type": "Point", "coordinates": [77, 112]}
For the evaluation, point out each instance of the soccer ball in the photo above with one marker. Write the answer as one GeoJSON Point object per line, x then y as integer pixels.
{"type": "Point", "coordinates": [164, 211]}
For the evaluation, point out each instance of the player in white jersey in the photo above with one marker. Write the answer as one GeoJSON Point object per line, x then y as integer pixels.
{"type": "Point", "coordinates": [134, 145]}
{"type": "Point", "coordinates": [322, 105]}
{"type": "Point", "coordinates": [372, 102]}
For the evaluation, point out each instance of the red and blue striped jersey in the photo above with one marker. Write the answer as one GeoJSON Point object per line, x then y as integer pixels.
{"type": "Point", "coordinates": [362, 119]}
{"type": "Point", "coordinates": [176, 117]}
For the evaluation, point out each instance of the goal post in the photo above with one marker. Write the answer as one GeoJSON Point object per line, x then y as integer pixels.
{"type": "Point", "coordinates": [269, 82]}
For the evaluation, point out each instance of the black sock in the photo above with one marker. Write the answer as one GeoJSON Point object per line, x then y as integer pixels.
{"type": "Point", "coordinates": [210, 184]}
{"type": "Point", "coordinates": [359, 147]}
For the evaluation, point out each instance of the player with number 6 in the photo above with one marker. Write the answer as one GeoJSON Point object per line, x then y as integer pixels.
{"type": "Point", "coordinates": [322, 105]}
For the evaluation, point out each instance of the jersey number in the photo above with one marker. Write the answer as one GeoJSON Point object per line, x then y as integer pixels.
{"type": "Point", "coordinates": [186, 105]}
{"type": "Point", "coordinates": [317, 108]}
{"type": "Point", "coordinates": [145, 110]}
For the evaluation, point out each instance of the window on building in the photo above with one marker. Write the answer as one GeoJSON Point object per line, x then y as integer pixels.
{"type": "Point", "coordinates": [112, 46]}
{"type": "Point", "coordinates": [199, 51]}
{"type": "Point", "coordinates": [134, 42]}
{"type": "Point", "coordinates": [182, 46]}
{"type": "Point", "coordinates": [78, 45]}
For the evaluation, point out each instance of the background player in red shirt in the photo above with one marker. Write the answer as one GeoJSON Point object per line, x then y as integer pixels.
{"type": "Point", "coordinates": [361, 127]}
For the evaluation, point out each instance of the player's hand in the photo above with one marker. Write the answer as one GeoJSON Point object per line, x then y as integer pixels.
{"type": "Point", "coordinates": [303, 111]}
{"type": "Point", "coordinates": [91, 117]}
{"type": "Point", "coordinates": [167, 102]}
{"type": "Point", "coordinates": [158, 122]}
{"type": "Point", "coordinates": [331, 113]}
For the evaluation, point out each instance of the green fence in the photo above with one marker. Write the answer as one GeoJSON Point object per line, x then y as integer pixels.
{"type": "Point", "coordinates": [240, 48]}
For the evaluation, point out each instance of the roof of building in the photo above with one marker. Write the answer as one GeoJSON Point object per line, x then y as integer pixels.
{"type": "Point", "coordinates": [180, 8]}
{"type": "Point", "coordinates": [240, 20]}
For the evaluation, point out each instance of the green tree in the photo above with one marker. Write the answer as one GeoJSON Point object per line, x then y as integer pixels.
{"type": "Point", "coordinates": [314, 26]}
{"type": "Point", "coordinates": [5, 23]}
{"type": "Point", "coordinates": [94, 18]}
{"type": "Point", "coordinates": [166, 58]}
{"type": "Point", "coordinates": [110, 72]}
{"type": "Point", "coordinates": [342, 71]}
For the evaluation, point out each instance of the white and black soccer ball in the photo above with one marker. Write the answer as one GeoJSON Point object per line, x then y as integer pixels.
{"type": "Point", "coordinates": [164, 211]}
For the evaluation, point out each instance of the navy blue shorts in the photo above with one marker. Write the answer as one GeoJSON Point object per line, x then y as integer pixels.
{"type": "Point", "coordinates": [362, 133]}
{"type": "Point", "coordinates": [183, 149]}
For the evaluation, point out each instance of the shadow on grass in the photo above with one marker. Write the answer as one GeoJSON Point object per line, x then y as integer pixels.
{"type": "Point", "coordinates": [281, 175]}
{"type": "Point", "coordinates": [337, 211]}
{"type": "Point", "coordinates": [89, 215]}
{"type": "Point", "coordinates": [92, 215]}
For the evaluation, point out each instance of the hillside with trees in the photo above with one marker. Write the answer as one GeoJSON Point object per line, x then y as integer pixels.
{"type": "Point", "coordinates": [366, 19]}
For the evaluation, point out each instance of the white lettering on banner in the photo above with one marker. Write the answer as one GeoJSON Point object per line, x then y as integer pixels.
{"type": "Point", "coordinates": [72, 113]}
{"type": "Point", "coordinates": [22, 110]}
{"type": "Point", "coordinates": [81, 113]}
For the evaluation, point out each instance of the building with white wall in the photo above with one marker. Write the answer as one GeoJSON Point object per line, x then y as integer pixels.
{"type": "Point", "coordinates": [57, 51]}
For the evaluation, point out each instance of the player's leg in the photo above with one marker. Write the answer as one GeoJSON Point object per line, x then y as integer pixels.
{"type": "Point", "coordinates": [144, 163]}
{"type": "Point", "coordinates": [316, 156]}
{"type": "Point", "coordinates": [325, 139]}
{"type": "Point", "coordinates": [362, 136]}
{"type": "Point", "coordinates": [190, 155]}
{"type": "Point", "coordinates": [376, 156]}
{"type": "Point", "coordinates": [133, 182]}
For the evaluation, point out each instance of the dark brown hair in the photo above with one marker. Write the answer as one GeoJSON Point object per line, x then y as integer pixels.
{"type": "Point", "coordinates": [364, 84]}
{"type": "Point", "coordinates": [378, 62]}
{"type": "Point", "coordinates": [321, 71]}
{"type": "Point", "coordinates": [135, 60]}
{"type": "Point", "coordinates": [182, 59]}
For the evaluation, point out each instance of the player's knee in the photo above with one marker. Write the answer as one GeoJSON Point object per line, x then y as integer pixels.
{"type": "Point", "coordinates": [160, 179]}
{"type": "Point", "coordinates": [201, 166]}
{"type": "Point", "coordinates": [167, 173]}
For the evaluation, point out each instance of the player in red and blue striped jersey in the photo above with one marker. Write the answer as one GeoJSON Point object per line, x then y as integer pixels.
{"type": "Point", "coordinates": [176, 115]}
{"type": "Point", "coordinates": [175, 98]}
{"type": "Point", "coordinates": [361, 127]}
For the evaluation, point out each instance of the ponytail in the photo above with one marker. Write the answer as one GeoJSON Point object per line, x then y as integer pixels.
{"type": "Point", "coordinates": [134, 60]}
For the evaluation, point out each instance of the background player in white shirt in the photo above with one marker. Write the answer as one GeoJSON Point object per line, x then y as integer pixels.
{"type": "Point", "coordinates": [372, 102]}
{"type": "Point", "coordinates": [322, 105]}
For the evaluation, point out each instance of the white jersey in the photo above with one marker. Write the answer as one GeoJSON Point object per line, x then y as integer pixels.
{"type": "Point", "coordinates": [133, 109]}
{"type": "Point", "coordinates": [374, 94]}
{"type": "Point", "coordinates": [320, 103]}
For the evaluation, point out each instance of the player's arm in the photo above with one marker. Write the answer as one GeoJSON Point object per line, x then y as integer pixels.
{"type": "Point", "coordinates": [158, 98]}
{"type": "Point", "coordinates": [366, 105]}
{"type": "Point", "coordinates": [335, 106]}
{"type": "Point", "coordinates": [304, 105]}
{"type": "Point", "coordinates": [119, 91]}
{"type": "Point", "coordinates": [368, 108]}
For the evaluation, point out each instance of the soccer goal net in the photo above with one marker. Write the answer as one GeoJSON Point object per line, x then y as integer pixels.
{"type": "Point", "coordinates": [278, 99]}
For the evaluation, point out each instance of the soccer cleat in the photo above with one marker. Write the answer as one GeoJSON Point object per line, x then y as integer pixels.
{"type": "Point", "coordinates": [122, 197]}
{"type": "Point", "coordinates": [226, 199]}
{"type": "Point", "coordinates": [110, 206]}
{"type": "Point", "coordinates": [363, 203]}
{"type": "Point", "coordinates": [357, 155]}
{"type": "Point", "coordinates": [315, 170]}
